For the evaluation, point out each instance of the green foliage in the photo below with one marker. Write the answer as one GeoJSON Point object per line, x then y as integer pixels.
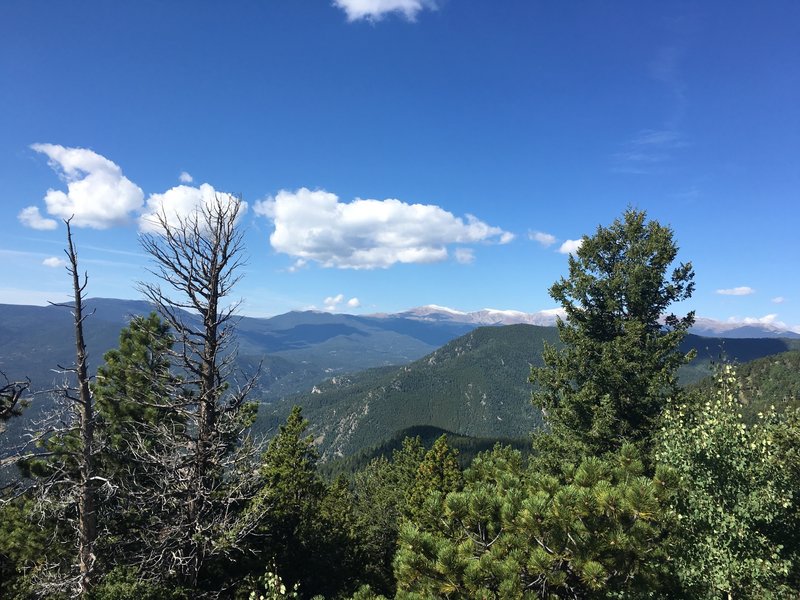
{"type": "Point", "coordinates": [513, 532]}
{"type": "Point", "coordinates": [381, 492]}
{"type": "Point", "coordinates": [468, 448]}
{"type": "Point", "coordinates": [273, 587]}
{"type": "Point", "coordinates": [26, 545]}
{"type": "Point", "coordinates": [132, 389]}
{"type": "Point", "coordinates": [124, 583]}
{"type": "Point", "coordinates": [737, 510]}
{"type": "Point", "coordinates": [765, 382]}
{"type": "Point", "coordinates": [437, 475]}
{"type": "Point", "coordinates": [307, 528]}
{"type": "Point", "coordinates": [619, 364]}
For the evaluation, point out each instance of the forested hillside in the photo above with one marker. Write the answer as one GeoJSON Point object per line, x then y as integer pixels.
{"type": "Point", "coordinates": [475, 386]}
{"type": "Point", "coordinates": [772, 381]}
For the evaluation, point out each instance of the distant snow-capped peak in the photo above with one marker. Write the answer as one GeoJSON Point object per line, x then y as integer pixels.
{"type": "Point", "coordinates": [486, 316]}
{"type": "Point", "coordinates": [763, 327]}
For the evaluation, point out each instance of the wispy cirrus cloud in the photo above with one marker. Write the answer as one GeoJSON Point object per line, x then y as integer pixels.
{"type": "Point", "coordinates": [743, 290]}
{"type": "Point", "coordinates": [315, 226]}
{"type": "Point", "coordinates": [646, 151]}
{"type": "Point", "coordinates": [545, 239]}
{"type": "Point", "coordinates": [650, 150]}
{"type": "Point", "coordinates": [375, 10]}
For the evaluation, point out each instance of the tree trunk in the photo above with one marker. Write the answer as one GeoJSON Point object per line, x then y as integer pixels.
{"type": "Point", "coordinates": [87, 517]}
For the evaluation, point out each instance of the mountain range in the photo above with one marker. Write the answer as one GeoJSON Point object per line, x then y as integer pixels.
{"type": "Point", "coordinates": [490, 316]}
{"type": "Point", "coordinates": [314, 358]}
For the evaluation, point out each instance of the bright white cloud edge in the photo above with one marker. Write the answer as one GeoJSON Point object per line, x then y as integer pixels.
{"type": "Point", "coordinates": [367, 234]}
{"type": "Point", "coordinates": [570, 246]}
{"type": "Point", "coordinates": [375, 10]}
{"type": "Point", "coordinates": [737, 291]}
{"type": "Point", "coordinates": [98, 195]}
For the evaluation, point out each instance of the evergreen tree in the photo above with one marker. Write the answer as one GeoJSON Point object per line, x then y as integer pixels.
{"type": "Point", "coordinates": [618, 365]}
{"type": "Point", "coordinates": [382, 490]}
{"type": "Point", "coordinates": [437, 475]}
{"type": "Point", "coordinates": [301, 528]}
{"type": "Point", "coordinates": [515, 533]}
{"type": "Point", "coordinates": [135, 385]}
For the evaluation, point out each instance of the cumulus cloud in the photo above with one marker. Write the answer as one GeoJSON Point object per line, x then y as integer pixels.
{"type": "Point", "coordinates": [778, 300]}
{"type": "Point", "coordinates": [367, 234]}
{"type": "Point", "coordinates": [374, 10]}
{"type": "Point", "coordinates": [737, 291]}
{"type": "Point", "coordinates": [545, 239]}
{"type": "Point", "coordinates": [184, 177]}
{"type": "Point", "coordinates": [465, 255]}
{"type": "Point", "coordinates": [54, 261]}
{"type": "Point", "coordinates": [98, 194]}
{"type": "Point", "coordinates": [331, 302]}
{"type": "Point", "coordinates": [570, 246]}
{"type": "Point", "coordinates": [31, 217]}
{"type": "Point", "coordinates": [179, 203]}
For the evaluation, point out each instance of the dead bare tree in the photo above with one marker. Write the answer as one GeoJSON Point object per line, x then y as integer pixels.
{"type": "Point", "coordinates": [67, 476]}
{"type": "Point", "coordinates": [202, 472]}
{"type": "Point", "coordinates": [12, 395]}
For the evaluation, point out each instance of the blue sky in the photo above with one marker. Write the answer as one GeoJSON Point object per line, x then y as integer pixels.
{"type": "Point", "coordinates": [409, 156]}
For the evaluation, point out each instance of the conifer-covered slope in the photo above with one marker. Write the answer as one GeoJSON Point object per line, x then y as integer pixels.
{"type": "Point", "coordinates": [475, 386]}
{"type": "Point", "coordinates": [471, 386]}
{"type": "Point", "coordinates": [770, 381]}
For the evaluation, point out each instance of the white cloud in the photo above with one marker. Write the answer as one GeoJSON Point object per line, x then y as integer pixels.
{"type": "Point", "coordinates": [331, 302]}
{"type": "Point", "coordinates": [367, 234]}
{"type": "Point", "coordinates": [54, 261]}
{"type": "Point", "coordinates": [465, 255]}
{"type": "Point", "coordinates": [545, 239]}
{"type": "Point", "coordinates": [374, 10]}
{"type": "Point", "coordinates": [184, 177]}
{"type": "Point", "coordinates": [179, 203]}
{"type": "Point", "coordinates": [570, 246]}
{"type": "Point", "coordinates": [778, 300]}
{"type": "Point", "coordinates": [354, 303]}
{"type": "Point", "coordinates": [98, 194]}
{"type": "Point", "coordinates": [737, 291]}
{"type": "Point", "coordinates": [31, 217]}
{"type": "Point", "coordinates": [771, 319]}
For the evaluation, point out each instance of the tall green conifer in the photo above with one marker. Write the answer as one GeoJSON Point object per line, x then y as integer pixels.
{"type": "Point", "coordinates": [610, 381]}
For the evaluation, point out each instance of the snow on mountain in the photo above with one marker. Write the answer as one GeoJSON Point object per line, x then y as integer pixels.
{"type": "Point", "coordinates": [487, 316]}
{"type": "Point", "coordinates": [744, 328]}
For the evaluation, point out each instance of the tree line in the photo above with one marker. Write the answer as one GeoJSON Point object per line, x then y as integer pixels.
{"type": "Point", "coordinates": [150, 484]}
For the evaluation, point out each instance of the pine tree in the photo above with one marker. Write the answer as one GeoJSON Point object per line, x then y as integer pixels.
{"type": "Point", "coordinates": [382, 490]}
{"type": "Point", "coordinates": [515, 533]}
{"type": "Point", "coordinates": [618, 365]}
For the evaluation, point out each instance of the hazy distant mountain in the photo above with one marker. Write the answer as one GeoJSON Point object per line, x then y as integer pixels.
{"type": "Point", "coordinates": [295, 350]}
{"type": "Point", "coordinates": [490, 316]}
{"type": "Point", "coordinates": [487, 316]}
{"type": "Point", "coordinates": [711, 327]}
